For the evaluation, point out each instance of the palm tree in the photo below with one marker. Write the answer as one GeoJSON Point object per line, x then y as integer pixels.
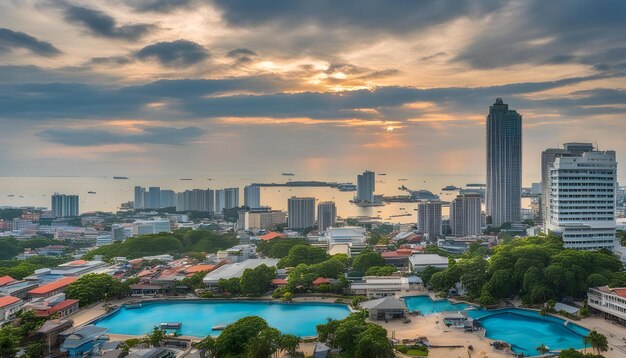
{"type": "Point", "coordinates": [598, 341]}
{"type": "Point", "coordinates": [156, 337]}
{"type": "Point", "coordinates": [542, 349]}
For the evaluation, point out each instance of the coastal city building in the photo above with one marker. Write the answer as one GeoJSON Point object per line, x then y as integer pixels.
{"type": "Point", "coordinates": [419, 262]}
{"type": "Point", "coordinates": [252, 196]}
{"type": "Point", "coordinates": [226, 199]}
{"type": "Point", "coordinates": [582, 200]}
{"type": "Point", "coordinates": [326, 215]}
{"type": "Point", "coordinates": [300, 213]}
{"type": "Point", "coordinates": [377, 287]}
{"type": "Point", "coordinates": [147, 227]}
{"type": "Point", "coordinates": [154, 198]}
{"type": "Point", "coordinates": [429, 218]}
{"type": "Point", "coordinates": [466, 215]}
{"type": "Point", "coordinates": [548, 157]}
{"type": "Point", "coordinates": [365, 186]}
{"type": "Point", "coordinates": [201, 200]}
{"type": "Point", "coordinates": [261, 219]}
{"type": "Point", "coordinates": [139, 196]}
{"type": "Point", "coordinates": [504, 165]}
{"type": "Point", "coordinates": [167, 198]}
{"type": "Point", "coordinates": [64, 205]}
{"type": "Point", "coordinates": [350, 240]}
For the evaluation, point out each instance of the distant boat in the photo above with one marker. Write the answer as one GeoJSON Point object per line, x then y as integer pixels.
{"type": "Point", "coordinates": [171, 325]}
{"type": "Point", "coordinates": [185, 179]}
{"type": "Point", "coordinates": [11, 195]}
{"type": "Point", "coordinates": [382, 174]}
{"type": "Point", "coordinates": [450, 188]}
{"type": "Point", "coordinates": [402, 179]}
{"type": "Point", "coordinates": [91, 192]}
{"type": "Point", "coordinates": [288, 174]}
{"type": "Point", "coordinates": [120, 178]}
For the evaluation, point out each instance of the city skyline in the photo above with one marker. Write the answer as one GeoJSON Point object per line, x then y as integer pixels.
{"type": "Point", "coordinates": [124, 88]}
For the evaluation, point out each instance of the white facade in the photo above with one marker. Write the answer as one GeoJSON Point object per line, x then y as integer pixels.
{"type": "Point", "coordinates": [418, 262]}
{"type": "Point", "coordinates": [376, 287]}
{"type": "Point", "coordinates": [610, 301]}
{"type": "Point", "coordinates": [354, 236]}
{"type": "Point", "coordinates": [582, 200]}
{"type": "Point", "coordinates": [146, 227]}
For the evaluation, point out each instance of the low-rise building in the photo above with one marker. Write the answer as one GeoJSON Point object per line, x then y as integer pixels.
{"type": "Point", "coordinates": [147, 227]}
{"type": "Point", "coordinates": [9, 306]}
{"type": "Point", "coordinates": [610, 302]}
{"type": "Point", "coordinates": [354, 236]}
{"type": "Point", "coordinates": [52, 288]}
{"type": "Point", "coordinates": [49, 333]}
{"type": "Point", "coordinates": [237, 253]}
{"type": "Point", "coordinates": [385, 308]}
{"type": "Point", "coordinates": [60, 310]}
{"type": "Point", "coordinates": [380, 286]}
{"type": "Point", "coordinates": [80, 341]}
{"type": "Point", "coordinates": [235, 270]}
{"type": "Point", "coordinates": [398, 258]}
{"type": "Point", "coordinates": [419, 262]}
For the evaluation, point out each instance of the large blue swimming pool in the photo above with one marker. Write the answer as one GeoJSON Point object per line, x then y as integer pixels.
{"type": "Point", "coordinates": [425, 305]}
{"type": "Point", "coordinates": [526, 330]}
{"type": "Point", "coordinates": [199, 317]}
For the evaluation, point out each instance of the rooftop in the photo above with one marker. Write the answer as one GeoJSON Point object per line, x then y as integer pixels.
{"type": "Point", "coordinates": [52, 286]}
{"type": "Point", "coordinates": [428, 259]}
{"type": "Point", "coordinates": [236, 269]}
{"type": "Point", "coordinates": [200, 268]}
{"type": "Point", "coordinates": [4, 280]}
{"type": "Point", "coordinates": [8, 300]}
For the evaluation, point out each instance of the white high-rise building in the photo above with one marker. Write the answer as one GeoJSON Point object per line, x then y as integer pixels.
{"type": "Point", "coordinates": [465, 215]}
{"type": "Point", "coordinates": [226, 199]}
{"type": "Point", "coordinates": [139, 194]}
{"type": "Point", "coordinates": [252, 196]}
{"type": "Point", "coordinates": [429, 218]}
{"type": "Point", "coordinates": [582, 200]}
{"type": "Point", "coordinates": [167, 198]}
{"type": "Point", "coordinates": [195, 200]}
{"type": "Point", "coordinates": [301, 212]}
{"type": "Point", "coordinates": [154, 193]}
{"type": "Point", "coordinates": [64, 205]}
{"type": "Point", "coordinates": [365, 186]}
{"type": "Point", "coordinates": [326, 215]}
{"type": "Point", "coordinates": [117, 233]}
{"type": "Point", "coordinates": [504, 164]}
{"type": "Point", "coordinates": [548, 157]}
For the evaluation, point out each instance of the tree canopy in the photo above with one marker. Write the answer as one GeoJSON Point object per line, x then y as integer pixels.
{"type": "Point", "coordinates": [535, 268]}
{"type": "Point", "coordinates": [356, 337]}
{"type": "Point", "coordinates": [95, 287]}
{"type": "Point", "coordinates": [303, 254]}
{"type": "Point", "coordinates": [362, 262]}
{"type": "Point", "coordinates": [179, 242]}
{"type": "Point", "coordinates": [279, 247]}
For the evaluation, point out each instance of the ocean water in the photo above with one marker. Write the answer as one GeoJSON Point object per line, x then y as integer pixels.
{"type": "Point", "coordinates": [199, 317]}
{"type": "Point", "coordinates": [110, 193]}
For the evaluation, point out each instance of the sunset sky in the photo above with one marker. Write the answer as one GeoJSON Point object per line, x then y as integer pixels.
{"type": "Point", "coordinates": [319, 86]}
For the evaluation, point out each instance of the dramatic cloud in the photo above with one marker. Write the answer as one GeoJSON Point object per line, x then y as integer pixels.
{"type": "Point", "coordinates": [100, 24]}
{"type": "Point", "coordinates": [588, 32]}
{"type": "Point", "coordinates": [177, 53]}
{"type": "Point", "coordinates": [370, 15]}
{"type": "Point", "coordinates": [146, 135]}
{"type": "Point", "coordinates": [159, 5]}
{"type": "Point", "coordinates": [11, 40]}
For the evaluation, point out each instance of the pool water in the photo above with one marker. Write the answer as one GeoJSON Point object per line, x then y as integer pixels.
{"type": "Point", "coordinates": [526, 330]}
{"type": "Point", "coordinates": [199, 317]}
{"type": "Point", "coordinates": [426, 306]}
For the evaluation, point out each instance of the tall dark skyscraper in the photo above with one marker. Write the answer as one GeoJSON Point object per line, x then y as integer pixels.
{"type": "Point", "coordinates": [504, 164]}
{"type": "Point", "coordinates": [64, 205]}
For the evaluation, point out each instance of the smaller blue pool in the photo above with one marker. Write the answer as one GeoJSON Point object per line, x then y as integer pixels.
{"type": "Point", "coordinates": [526, 330]}
{"type": "Point", "coordinates": [425, 305]}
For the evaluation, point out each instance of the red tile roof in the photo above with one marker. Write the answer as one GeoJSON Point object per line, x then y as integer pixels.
{"type": "Point", "coordinates": [620, 291]}
{"type": "Point", "coordinates": [77, 262]}
{"type": "Point", "coordinates": [321, 280]}
{"type": "Point", "coordinates": [8, 300]}
{"type": "Point", "coordinates": [279, 281]}
{"type": "Point", "coordinates": [52, 286]}
{"type": "Point", "coordinates": [200, 268]}
{"type": "Point", "coordinates": [4, 280]}
{"type": "Point", "coordinates": [52, 310]}
{"type": "Point", "coordinates": [272, 235]}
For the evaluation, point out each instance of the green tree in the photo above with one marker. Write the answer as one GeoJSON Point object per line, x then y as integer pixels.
{"type": "Point", "coordinates": [428, 272]}
{"type": "Point", "coordinates": [279, 247]}
{"type": "Point", "coordinates": [92, 288]}
{"type": "Point", "coordinates": [156, 337]}
{"type": "Point", "coordinates": [303, 254]}
{"type": "Point", "coordinates": [257, 281]}
{"type": "Point", "coordinates": [380, 271]}
{"type": "Point", "coordinates": [9, 341]}
{"type": "Point", "coordinates": [289, 343]}
{"type": "Point", "coordinates": [288, 297]}
{"type": "Point", "coordinates": [207, 345]}
{"type": "Point", "coordinates": [233, 341]}
{"type": "Point", "coordinates": [542, 349]}
{"type": "Point", "coordinates": [598, 341]}
{"type": "Point", "coordinates": [572, 353]}
{"type": "Point", "coordinates": [264, 344]}
{"type": "Point", "coordinates": [367, 259]}
{"type": "Point", "coordinates": [230, 285]}
{"type": "Point", "coordinates": [356, 337]}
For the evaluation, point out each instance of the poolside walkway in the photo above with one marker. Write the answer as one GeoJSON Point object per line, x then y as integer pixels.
{"type": "Point", "coordinates": [615, 334]}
